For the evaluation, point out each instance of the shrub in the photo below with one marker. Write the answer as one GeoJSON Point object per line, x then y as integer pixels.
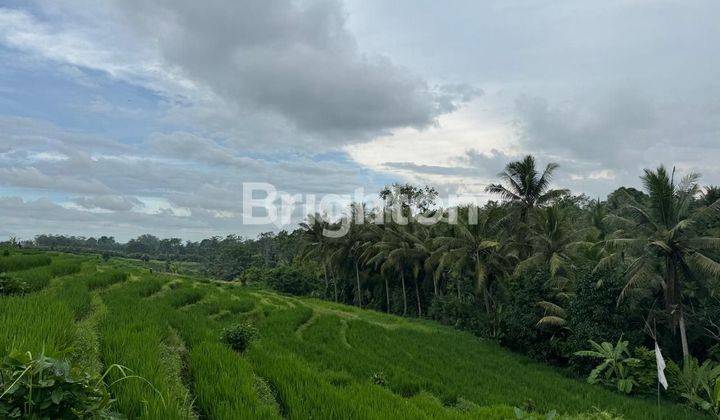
{"type": "Point", "coordinates": [6, 253]}
{"type": "Point", "coordinates": [292, 279]}
{"type": "Point", "coordinates": [378, 378]}
{"type": "Point", "coordinates": [519, 317]}
{"type": "Point", "coordinates": [699, 384]}
{"type": "Point", "coordinates": [240, 336]}
{"type": "Point", "coordinates": [42, 387]}
{"type": "Point", "coordinates": [463, 314]}
{"type": "Point", "coordinates": [11, 286]}
{"type": "Point", "coordinates": [593, 314]}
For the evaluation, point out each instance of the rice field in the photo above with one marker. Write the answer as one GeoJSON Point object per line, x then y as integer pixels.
{"type": "Point", "coordinates": [314, 359]}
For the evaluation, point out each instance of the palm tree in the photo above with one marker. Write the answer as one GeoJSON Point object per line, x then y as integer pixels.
{"type": "Point", "coordinates": [555, 244]}
{"type": "Point", "coordinates": [525, 186]}
{"type": "Point", "coordinates": [397, 252]}
{"type": "Point", "coordinates": [667, 248]}
{"type": "Point", "coordinates": [350, 247]}
{"type": "Point", "coordinates": [476, 248]}
{"type": "Point", "coordinates": [315, 244]}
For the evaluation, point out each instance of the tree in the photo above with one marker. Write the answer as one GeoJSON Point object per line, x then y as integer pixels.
{"type": "Point", "coordinates": [396, 251]}
{"type": "Point", "coordinates": [477, 248]}
{"type": "Point", "coordinates": [525, 186]}
{"type": "Point", "coordinates": [350, 247]}
{"type": "Point", "coordinates": [667, 248]}
{"type": "Point", "coordinates": [525, 189]}
{"type": "Point", "coordinates": [316, 245]}
{"type": "Point", "coordinates": [554, 244]}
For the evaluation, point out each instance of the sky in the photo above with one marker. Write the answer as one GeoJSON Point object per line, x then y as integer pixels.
{"type": "Point", "coordinates": [125, 117]}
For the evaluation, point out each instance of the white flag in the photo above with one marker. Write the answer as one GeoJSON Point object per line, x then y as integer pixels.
{"type": "Point", "coordinates": [660, 367]}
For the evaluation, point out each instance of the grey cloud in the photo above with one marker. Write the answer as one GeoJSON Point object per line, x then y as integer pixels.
{"type": "Point", "coordinates": [297, 60]}
{"type": "Point", "coordinates": [108, 202]}
{"type": "Point", "coordinates": [32, 178]}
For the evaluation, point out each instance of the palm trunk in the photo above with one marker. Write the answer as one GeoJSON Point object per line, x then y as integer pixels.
{"type": "Point", "coordinates": [387, 294]}
{"type": "Point", "coordinates": [683, 335]}
{"type": "Point", "coordinates": [486, 299]}
{"type": "Point", "coordinates": [417, 296]}
{"type": "Point", "coordinates": [402, 279]}
{"type": "Point", "coordinates": [327, 281]}
{"type": "Point", "coordinates": [359, 291]}
{"type": "Point", "coordinates": [457, 286]}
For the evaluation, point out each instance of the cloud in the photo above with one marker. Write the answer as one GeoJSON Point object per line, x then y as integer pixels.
{"type": "Point", "coordinates": [34, 179]}
{"type": "Point", "coordinates": [260, 60]}
{"type": "Point", "coordinates": [109, 202]}
{"type": "Point", "coordinates": [297, 60]}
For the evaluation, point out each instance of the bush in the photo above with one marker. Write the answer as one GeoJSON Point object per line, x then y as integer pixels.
{"type": "Point", "coordinates": [11, 286]}
{"type": "Point", "coordinates": [292, 279]}
{"type": "Point", "coordinates": [378, 378]}
{"type": "Point", "coordinates": [466, 315]}
{"type": "Point", "coordinates": [240, 336]}
{"type": "Point", "coordinates": [518, 321]}
{"type": "Point", "coordinates": [593, 314]}
{"type": "Point", "coordinates": [6, 253]}
{"type": "Point", "coordinates": [699, 384]}
{"type": "Point", "coordinates": [43, 387]}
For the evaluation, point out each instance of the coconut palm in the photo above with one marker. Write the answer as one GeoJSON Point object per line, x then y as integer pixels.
{"type": "Point", "coordinates": [397, 252]}
{"type": "Point", "coordinates": [315, 244]}
{"type": "Point", "coordinates": [525, 186]}
{"type": "Point", "coordinates": [666, 248]}
{"type": "Point", "coordinates": [349, 248]}
{"type": "Point", "coordinates": [555, 242]}
{"type": "Point", "coordinates": [476, 248]}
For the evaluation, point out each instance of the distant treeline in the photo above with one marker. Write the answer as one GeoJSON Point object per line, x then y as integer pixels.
{"type": "Point", "coordinates": [224, 258]}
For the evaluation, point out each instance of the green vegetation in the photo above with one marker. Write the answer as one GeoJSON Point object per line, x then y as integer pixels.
{"type": "Point", "coordinates": [43, 387]}
{"type": "Point", "coordinates": [542, 272]}
{"type": "Point", "coordinates": [310, 359]}
{"type": "Point", "coordinates": [22, 262]}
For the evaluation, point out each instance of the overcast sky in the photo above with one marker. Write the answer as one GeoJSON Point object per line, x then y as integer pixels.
{"type": "Point", "coordinates": [126, 117]}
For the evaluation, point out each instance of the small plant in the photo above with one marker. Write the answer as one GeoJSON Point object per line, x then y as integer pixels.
{"type": "Point", "coordinates": [378, 378]}
{"type": "Point", "coordinates": [240, 336]}
{"type": "Point", "coordinates": [616, 366]}
{"type": "Point", "coordinates": [11, 286]}
{"type": "Point", "coordinates": [43, 387]}
{"type": "Point", "coordinates": [6, 253]}
{"type": "Point", "coordinates": [526, 414]}
{"type": "Point", "coordinates": [700, 384]}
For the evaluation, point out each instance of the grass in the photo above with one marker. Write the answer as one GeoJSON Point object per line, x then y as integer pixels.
{"type": "Point", "coordinates": [38, 277]}
{"type": "Point", "coordinates": [314, 359]}
{"type": "Point", "coordinates": [16, 262]}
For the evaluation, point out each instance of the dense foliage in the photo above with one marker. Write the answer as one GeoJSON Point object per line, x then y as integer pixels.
{"type": "Point", "coordinates": [43, 387]}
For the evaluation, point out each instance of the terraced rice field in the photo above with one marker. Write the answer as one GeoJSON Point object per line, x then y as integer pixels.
{"type": "Point", "coordinates": [313, 359]}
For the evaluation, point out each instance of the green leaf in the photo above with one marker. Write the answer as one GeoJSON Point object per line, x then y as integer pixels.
{"type": "Point", "coordinates": [57, 396]}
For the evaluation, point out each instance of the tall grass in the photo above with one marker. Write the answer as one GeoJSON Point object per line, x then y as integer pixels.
{"type": "Point", "coordinates": [35, 323]}
{"type": "Point", "coordinates": [38, 277]}
{"type": "Point", "coordinates": [22, 262]}
{"type": "Point", "coordinates": [225, 386]}
{"type": "Point", "coordinates": [106, 278]}
{"type": "Point", "coordinates": [133, 335]}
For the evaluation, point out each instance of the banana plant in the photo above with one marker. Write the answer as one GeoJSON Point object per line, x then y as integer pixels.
{"type": "Point", "coordinates": [616, 366]}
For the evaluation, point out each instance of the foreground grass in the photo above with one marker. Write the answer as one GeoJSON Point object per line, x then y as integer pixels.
{"type": "Point", "coordinates": [314, 359]}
